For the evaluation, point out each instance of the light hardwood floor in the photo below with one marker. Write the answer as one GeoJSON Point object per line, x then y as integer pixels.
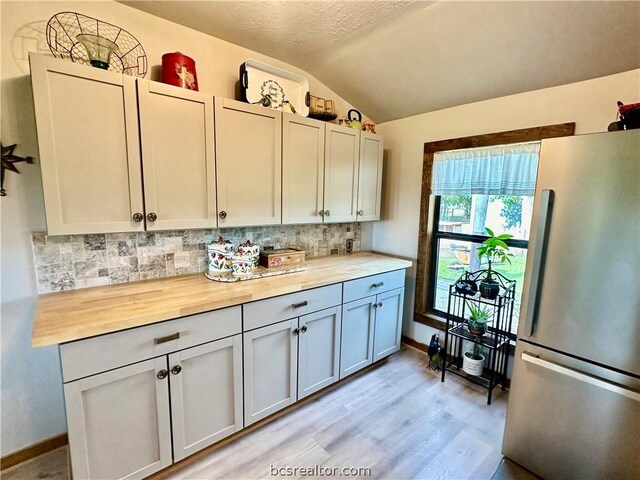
{"type": "Point", "coordinates": [398, 420]}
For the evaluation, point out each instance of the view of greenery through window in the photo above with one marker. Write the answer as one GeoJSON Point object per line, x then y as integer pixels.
{"type": "Point", "coordinates": [470, 215]}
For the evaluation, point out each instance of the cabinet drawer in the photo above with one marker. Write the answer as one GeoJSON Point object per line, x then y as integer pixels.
{"type": "Point", "coordinates": [272, 310]}
{"type": "Point", "coordinates": [363, 287]}
{"type": "Point", "coordinates": [98, 354]}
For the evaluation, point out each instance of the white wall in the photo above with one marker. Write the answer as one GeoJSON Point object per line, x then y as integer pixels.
{"type": "Point", "coordinates": [590, 104]}
{"type": "Point", "coordinates": [31, 388]}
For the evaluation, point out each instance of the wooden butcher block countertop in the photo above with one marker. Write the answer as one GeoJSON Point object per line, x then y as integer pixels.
{"type": "Point", "coordinates": [74, 315]}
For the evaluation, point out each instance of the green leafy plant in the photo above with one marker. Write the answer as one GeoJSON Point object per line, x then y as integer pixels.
{"type": "Point", "coordinates": [479, 314]}
{"type": "Point", "coordinates": [495, 249]}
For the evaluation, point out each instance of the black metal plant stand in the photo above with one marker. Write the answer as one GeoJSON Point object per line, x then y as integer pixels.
{"type": "Point", "coordinates": [495, 342]}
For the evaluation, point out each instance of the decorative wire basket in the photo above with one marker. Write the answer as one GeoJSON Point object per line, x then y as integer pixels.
{"type": "Point", "coordinates": [64, 27]}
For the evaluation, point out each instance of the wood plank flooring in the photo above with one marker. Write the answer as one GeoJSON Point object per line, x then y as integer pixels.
{"type": "Point", "coordinates": [397, 420]}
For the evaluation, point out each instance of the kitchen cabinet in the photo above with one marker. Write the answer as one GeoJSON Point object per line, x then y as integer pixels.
{"type": "Point", "coordinates": [370, 177]}
{"type": "Point", "coordinates": [206, 394]}
{"type": "Point", "coordinates": [178, 158]}
{"type": "Point", "coordinates": [388, 323]}
{"type": "Point", "coordinates": [125, 419]}
{"type": "Point", "coordinates": [371, 324]}
{"type": "Point", "coordinates": [270, 369]}
{"type": "Point", "coordinates": [118, 422]}
{"type": "Point", "coordinates": [357, 335]}
{"type": "Point", "coordinates": [87, 121]}
{"type": "Point", "coordinates": [291, 348]}
{"type": "Point", "coordinates": [342, 150]}
{"type": "Point", "coordinates": [302, 169]}
{"type": "Point", "coordinates": [248, 164]}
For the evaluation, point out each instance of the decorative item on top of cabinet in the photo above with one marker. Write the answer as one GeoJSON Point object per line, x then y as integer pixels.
{"type": "Point", "coordinates": [355, 119]}
{"type": "Point", "coordinates": [64, 28]}
{"type": "Point", "coordinates": [370, 177]}
{"type": "Point", "coordinates": [273, 87]}
{"type": "Point", "coordinates": [342, 150]}
{"type": "Point", "coordinates": [179, 70]}
{"type": "Point", "coordinates": [177, 137]}
{"type": "Point", "coordinates": [87, 121]}
{"type": "Point", "coordinates": [248, 164]}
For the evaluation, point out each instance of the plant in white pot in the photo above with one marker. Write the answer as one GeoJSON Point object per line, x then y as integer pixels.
{"type": "Point", "coordinates": [473, 362]}
{"type": "Point", "coordinates": [494, 249]}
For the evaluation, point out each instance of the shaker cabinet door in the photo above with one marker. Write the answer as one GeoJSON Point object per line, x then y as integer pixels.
{"type": "Point", "coordinates": [302, 169]}
{"type": "Point", "coordinates": [87, 125]}
{"type": "Point", "coordinates": [319, 350]}
{"type": "Point", "coordinates": [342, 149]}
{"type": "Point", "coordinates": [357, 335]}
{"type": "Point", "coordinates": [270, 369]}
{"type": "Point", "coordinates": [248, 164]}
{"type": "Point", "coordinates": [177, 136]}
{"type": "Point", "coordinates": [388, 329]}
{"type": "Point", "coordinates": [370, 176]}
{"type": "Point", "coordinates": [206, 394]}
{"type": "Point", "coordinates": [118, 421]}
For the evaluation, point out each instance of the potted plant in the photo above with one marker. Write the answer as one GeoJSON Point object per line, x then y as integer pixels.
{"type": "Point", "coordinates": [494, 249]}
{"type": "Point", "coordinates": [473, 362]}
{"type": "Point", "coordinates": [478, 319]}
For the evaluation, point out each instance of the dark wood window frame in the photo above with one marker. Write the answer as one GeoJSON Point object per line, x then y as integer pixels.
{"type": "Point", "coordinates": [425, 231]}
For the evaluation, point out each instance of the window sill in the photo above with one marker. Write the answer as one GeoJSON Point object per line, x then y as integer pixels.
{"type": "Point", "coordinates": [431, 320]}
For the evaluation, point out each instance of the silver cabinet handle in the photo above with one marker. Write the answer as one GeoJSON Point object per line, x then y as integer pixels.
{"type": "Point", "coordinates": [583, 377]}
{"type": "Point", "coordinates": [537, 261]}
{"type": "Point", "coordinates": [377, 285]}
{"type": "Point", "coordinates": [168, 338]}
{"type": "Point", "coordinates": [301, 304]}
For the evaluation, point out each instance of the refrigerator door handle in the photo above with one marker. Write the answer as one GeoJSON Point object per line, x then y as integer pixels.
{"type": "Point", "coordinates": [583, 377]}
{"type": "Point", "coordinates": [537, 263]}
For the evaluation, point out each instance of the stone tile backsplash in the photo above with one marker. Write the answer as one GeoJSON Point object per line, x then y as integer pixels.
{"type": "Point", "coordinates": [67, 262]}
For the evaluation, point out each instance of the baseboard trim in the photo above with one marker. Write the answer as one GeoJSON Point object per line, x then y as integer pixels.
{"type": "Point", "coordinates": [415, 344]}
{"type": "Point", "coordinates": [33, 451]}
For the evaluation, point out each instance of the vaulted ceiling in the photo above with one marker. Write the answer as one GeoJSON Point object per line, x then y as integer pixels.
{"type": "Point", "coordinates": [394, 59]}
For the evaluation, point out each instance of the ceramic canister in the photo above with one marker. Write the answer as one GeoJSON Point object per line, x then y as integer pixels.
{"type": "Point", "coordinates": [251, 250]}
{"type": "Point", "coordinates": [241, 265]}
{"type": "Point", "coordinates": [219, 256]}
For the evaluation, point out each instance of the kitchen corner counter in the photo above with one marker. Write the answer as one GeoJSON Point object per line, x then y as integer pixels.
{"type": "Point", "coordinates": [67, 316]}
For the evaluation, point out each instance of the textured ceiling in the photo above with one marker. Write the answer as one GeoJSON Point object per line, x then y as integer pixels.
{"type": "Point", "coordinates": [393, 59]}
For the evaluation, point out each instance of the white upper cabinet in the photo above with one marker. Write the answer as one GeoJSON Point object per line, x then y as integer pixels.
{"type": "Point", "coordinates": [89, 147]}
{"type": "Point", "coordinates": [177, 136]}
{"type": "Point", "coordinates": [370, 177]}
{"type": "Point", "coordinates": [248, 163]}
{"type": "Point", "coordinates": [342, 148]}
{"type": "Point", "coordinates": [302, 169]}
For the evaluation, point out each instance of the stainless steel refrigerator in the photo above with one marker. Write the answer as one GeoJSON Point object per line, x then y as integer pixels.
{"type": "Point", "coordinates": [574, 402]}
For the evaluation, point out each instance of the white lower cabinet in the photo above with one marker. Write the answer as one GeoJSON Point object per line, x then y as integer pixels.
{"type": "Point", "coordinates": [357, 335]}
{"type": "Point", "coordinates": [206, 394]}
{"type": "Point", "coordinates": [270, 361]}
{"type": "Point", "coordinates": [119, 425]}
{"type": "Point", "coordinates": [388, 329]}
{"type": "Point", "coordinates": [290, 360]}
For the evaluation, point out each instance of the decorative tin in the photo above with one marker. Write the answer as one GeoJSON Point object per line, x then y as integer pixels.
{"type": "Point", "coordinates": [282, 257]}
{"type": "Point", "coordinates": [179, 70]}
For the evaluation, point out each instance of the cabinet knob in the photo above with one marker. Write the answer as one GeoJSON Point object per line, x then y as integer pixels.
{"type": "Point", "coordinates": [377, 305]}
{"type": "Point", "coordinates": [138, 217]}
{"type": "Point", "coordinates": [327, 213]}
{"type": "Point", "coordinates": [303, 329]}
{"type": "Point", "coordinates": [321, 213]}
{"type": "Point", "coordinates": [162, 374]}
{"type": "Point", "coordinates": [152, 217]}
{"type": "Point", "coordinates": [295, 331]}
{"type": "Point", "coordinates": [361, 212]}
{"type": "Point", "coordinates": [222, 214]}
{"type": "Point", "coordinates": [176, 369]}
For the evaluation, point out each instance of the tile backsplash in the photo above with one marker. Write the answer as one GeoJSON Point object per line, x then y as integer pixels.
{"type": "Point", "coordinates": [67, 262]}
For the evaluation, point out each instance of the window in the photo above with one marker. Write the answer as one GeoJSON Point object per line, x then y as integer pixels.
{"type": "Point", "coordinates": [459, 228]}
{"type": "Point", "coordinates": [455, 212]}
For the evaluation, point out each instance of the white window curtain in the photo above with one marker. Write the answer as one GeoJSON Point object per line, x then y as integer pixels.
{"type": "Point", "coordinates": [500, 170]}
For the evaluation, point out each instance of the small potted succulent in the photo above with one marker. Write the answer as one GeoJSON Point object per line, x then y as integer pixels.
{"type": "Point", "coordinates": [473, 362]}
{"type": "Point", "coordinates": [494, 249]}
{"type": "Point", "coordinates": [479, 318]}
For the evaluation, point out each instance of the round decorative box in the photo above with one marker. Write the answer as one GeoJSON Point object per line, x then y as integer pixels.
{"type": "Point", "coordinates": [251, 250]}
{"type": "Point", "coordinates": [219, 256]}
{"type": "Point", "coordinates": [241, 265]}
